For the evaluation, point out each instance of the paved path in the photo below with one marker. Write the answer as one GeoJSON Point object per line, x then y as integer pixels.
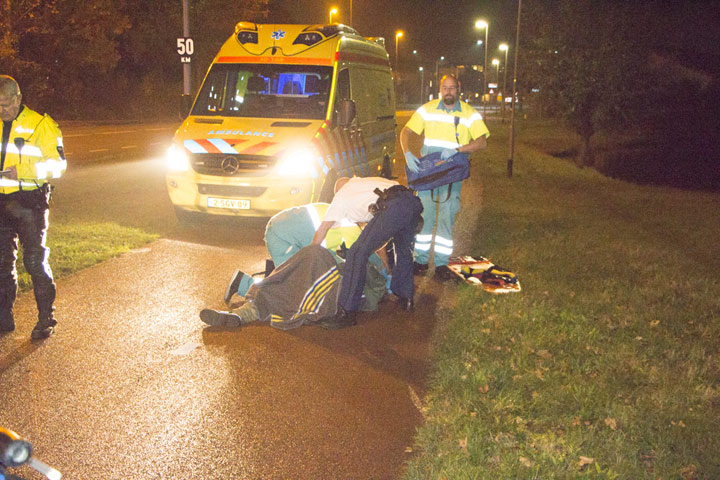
{"type": "Point", "coordinates": [134, 386]}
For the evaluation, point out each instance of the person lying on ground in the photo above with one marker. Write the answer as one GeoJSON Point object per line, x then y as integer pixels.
{"type": "Point", "coordinates": [302, 290]}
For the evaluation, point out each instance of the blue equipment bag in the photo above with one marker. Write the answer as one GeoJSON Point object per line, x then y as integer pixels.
{"type": "Point", "coordinates": [435, 172]}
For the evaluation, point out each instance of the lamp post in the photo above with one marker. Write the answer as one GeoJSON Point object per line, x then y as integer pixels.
{"type": "Point", "coordinates": [437, 80]}
{"type": "Point", "coordinates": [514, 90]}
{"type": "Point", "coordinates": [496, 62]}
{"type": "Point", "coordinates": [398, 34]}
{"type": "Point", "coordinates": [422, 85]}
{"type": "Point", "coordinates": [504, 48]}
{"type": "Point", "coordinates": [333, 11]}
{"type": "Point", "coordinates": [482, 24]}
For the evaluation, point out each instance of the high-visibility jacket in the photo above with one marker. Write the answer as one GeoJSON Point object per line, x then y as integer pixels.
{"type": "Point", "coordinates": [34, 148]}
{"type": "Point", "coordinates": [294, 228]}
{"type": "Point", "coordinates": [445, 129]}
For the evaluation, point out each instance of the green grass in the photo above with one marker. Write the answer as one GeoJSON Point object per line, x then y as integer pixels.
{"type": "Point", "coordinates": [74, 246]}
{"type": "Point", "coordinates": [611, 351]}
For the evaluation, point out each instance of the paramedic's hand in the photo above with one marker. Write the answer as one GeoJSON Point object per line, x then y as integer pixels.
{"type": "Point", "coordinates": [388, 278]}
{"type": "Point", "coordinates": [447, 153]}
{"type": "Point", "coordinates": [10, 173]}
{"type": "Point", "coordinates": [412, 162]}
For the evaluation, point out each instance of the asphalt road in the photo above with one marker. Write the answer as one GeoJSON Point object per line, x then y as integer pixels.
{"type": "Point", "coordinates": [134, 386]}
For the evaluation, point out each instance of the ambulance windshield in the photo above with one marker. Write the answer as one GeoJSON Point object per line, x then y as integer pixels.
{"type": "Point", "coordinates": [271, 91]}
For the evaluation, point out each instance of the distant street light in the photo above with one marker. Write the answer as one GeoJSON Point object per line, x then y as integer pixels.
{"type": "Point", "coordinates": [422, 85]}
{"type": "Point", "coordinates": [333, 11]}
{"type": "Point", "coordinates": [504, 48]}
{"type": "Point", "coordinates": [482, 24]}
{"type": "Point", "coordinates": [496, 62]}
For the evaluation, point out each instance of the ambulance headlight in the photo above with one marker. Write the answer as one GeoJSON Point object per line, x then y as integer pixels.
{"type": "Point", "coordinates": [297, 162]}
{"type": "Point", "coordinates": [177, 159]}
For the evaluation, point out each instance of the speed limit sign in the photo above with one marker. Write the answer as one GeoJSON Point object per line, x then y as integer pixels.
{"type": "Point", "coordinates": [185, 48]}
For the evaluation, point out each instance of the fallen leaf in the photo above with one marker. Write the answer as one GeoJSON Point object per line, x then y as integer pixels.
{"type": "Point", "coordinates": [535, 394]}
{"type": "Point", "coordinates": [576, 421]}
{"type": "Point", "coordinates": [526, 462]}
{"type": "Point", "coordinates": [585, 461]}
{"type": "Point", "coordinates": [655, 323]}
{"type": "Point", "coordinates": [484, 388]}
{"type": "Point", "coordinates": [544, 354]}
{"type": "Point", "coordinates": [408, 449]}
{"type": "Point", "coordinates": [611, 422]}
{"type": "Point", "coordinates": [463, 444]}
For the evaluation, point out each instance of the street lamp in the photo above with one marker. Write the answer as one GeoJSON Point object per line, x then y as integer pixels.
{"type": "Point", "coordinates": [437, 80]}
{"type": "Point", "coordinates": [496, 62]}
{"type": "Point", "coordinates": [504, 48]}
{"type": "Point", "coordinates": [333, 11]}
{"type": "Point", "coordinates": [422, 85]}
{"type": "Point", "coordinates": [398, 34]}
{"type": "Point", "coordinates": [482, 24]}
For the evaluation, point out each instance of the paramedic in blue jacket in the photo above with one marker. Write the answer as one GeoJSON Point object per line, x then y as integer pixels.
{"type": "Point", "coordinates": [450, 126]}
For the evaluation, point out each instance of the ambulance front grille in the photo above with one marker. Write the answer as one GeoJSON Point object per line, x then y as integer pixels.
{"type": "Point", "coordinates": [230, 190]}
{"type": "Point", "coordinates": [223, 165]}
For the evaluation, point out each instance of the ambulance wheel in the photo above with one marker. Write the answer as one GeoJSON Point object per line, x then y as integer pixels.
{"type": "Point", "coordinates": [328, 189]}
{"type": "Point", "coordinates": [185, 217]}
{"type": "Point", "coordinates": [386, 171]}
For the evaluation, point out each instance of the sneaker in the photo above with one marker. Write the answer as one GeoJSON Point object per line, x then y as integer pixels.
{"type": "Point", "coordinates": [232, 287]}
{"type": "Point", "coordinates": [216, 318]}
{"type": "Point", "coordinates": [443, 274]}
{"type": "Point", "coordinates": [420, 268]}
{"type": "Point", "coordinates": [43, 328]}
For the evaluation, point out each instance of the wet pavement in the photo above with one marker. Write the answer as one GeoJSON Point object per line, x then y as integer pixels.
{"type": "Point", "coordinates": [134, 386]}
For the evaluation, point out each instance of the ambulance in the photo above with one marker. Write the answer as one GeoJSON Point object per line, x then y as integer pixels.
{"type": "Point", "coordinates": [283, 112]}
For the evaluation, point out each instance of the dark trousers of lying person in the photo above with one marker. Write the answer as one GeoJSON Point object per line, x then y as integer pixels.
{"type": "Point", "coordinates": [396, 219]}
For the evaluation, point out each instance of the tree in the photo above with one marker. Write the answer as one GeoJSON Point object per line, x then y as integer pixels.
{"type": "Point", "coordinates": [587, 61]}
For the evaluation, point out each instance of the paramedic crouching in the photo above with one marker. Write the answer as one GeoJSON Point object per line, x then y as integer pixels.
{"type": "Point", "coordinates": [393, 215]}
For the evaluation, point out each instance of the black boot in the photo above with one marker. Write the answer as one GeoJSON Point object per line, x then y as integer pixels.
{"type": "Point", "coordinates": [407, 304]}
{"type": "Point", "coordinates": [7, 322]}
{"type": "Point", "coordinates": [44, 328]}
{"type": "Point", "coordinates": [342, 319]}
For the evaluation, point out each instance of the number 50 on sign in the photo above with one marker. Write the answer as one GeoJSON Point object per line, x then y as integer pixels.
{"type": "Point", "coordinates": [185, 46]}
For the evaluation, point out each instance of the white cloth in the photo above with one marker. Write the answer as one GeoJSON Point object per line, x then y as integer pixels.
{"type": "Point", "coordinates": [351, 202]}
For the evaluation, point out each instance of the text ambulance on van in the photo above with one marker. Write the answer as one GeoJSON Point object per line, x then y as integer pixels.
{"type": "Point", "coordinates": [284, 111]}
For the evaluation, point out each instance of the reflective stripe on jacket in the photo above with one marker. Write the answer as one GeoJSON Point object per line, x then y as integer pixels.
{"type": "Point", "coordinates": [34, 148]}
{"type": "Point", "coordinates": [441, 128]}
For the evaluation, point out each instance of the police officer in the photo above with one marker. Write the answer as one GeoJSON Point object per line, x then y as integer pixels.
{"type": "Point", "coordinates": [30, 154]}
{"type": "Point", "coordinates": [395, 218]}
{"type": "Point", "coordinates": [450, 126]}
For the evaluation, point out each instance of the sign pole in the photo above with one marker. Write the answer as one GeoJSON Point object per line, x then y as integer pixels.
{"type": "Point", "coordinates": [186, 64]}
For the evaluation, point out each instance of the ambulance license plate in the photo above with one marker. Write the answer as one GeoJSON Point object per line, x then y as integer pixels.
{"type": "Point", "coordinates": [228, 203]}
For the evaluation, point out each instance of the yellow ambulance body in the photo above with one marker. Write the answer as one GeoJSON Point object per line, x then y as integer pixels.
{"type": "Point", "coordinates": [284, 111]}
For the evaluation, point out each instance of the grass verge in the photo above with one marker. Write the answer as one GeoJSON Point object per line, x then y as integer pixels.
{"type": "Point", "coordinates": [74, 246]}
{"type": "Point", "coordinates": [607, 364]}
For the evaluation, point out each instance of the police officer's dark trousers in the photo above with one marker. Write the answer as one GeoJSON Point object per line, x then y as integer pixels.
{"type": "Point", "coordinates": [24, 218]}
{"type": "Point", "coordinates": [397, 221]}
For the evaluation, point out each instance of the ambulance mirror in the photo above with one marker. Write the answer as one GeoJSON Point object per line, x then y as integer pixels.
{"type": "Point", "coordinates": [346, 115]}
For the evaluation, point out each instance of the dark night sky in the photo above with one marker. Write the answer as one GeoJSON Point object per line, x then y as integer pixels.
{"type": "Point", "coordinates": [686, 28]}
{"type": "Point", "coordinates": [431, 27]}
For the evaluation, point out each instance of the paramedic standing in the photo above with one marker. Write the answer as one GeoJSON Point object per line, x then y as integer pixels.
{"type": "Point", "coordinates": [31, 153]}
{"type": "Point", "coordinates": [396, 219]}
{"type": "Point", "coordinates": [450, 126]}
